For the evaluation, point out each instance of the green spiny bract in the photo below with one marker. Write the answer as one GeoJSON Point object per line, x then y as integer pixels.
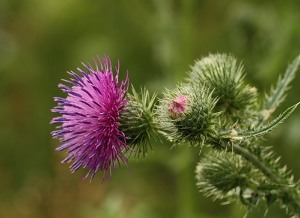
{"type": "Point", "coordinates": [224, 170]}
{"type": "Point", "coordinates": [223, 175]}
{"type": "Point", "coordinates": [137, 120]}
{"type": "Point", "coordinates": [225, 79]}
{"type": "Point", "coordinates": [195, 121]}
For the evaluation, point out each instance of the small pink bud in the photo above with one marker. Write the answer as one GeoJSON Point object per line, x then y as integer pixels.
{"type": "Point", "coordinates": [178, 106]}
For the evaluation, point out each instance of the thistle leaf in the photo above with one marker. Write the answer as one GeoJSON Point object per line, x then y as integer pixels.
{"type": "Point", "coordinates": [263, 129]}
{"type": "Point", "coordinates": [278, 94]}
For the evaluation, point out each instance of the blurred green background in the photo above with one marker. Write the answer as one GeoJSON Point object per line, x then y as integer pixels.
{"type": "Point", "coordinates": [156, 41]}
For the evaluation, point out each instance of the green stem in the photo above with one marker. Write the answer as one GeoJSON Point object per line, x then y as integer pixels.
{"type": "Point", "coordinates": [293, 201]}
{"type": "Point", "coordinates": [256, 162]}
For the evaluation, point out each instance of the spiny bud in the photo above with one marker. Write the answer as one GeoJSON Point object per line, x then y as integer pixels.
{"type": "Point", "coordinates": [186, 116]}
{"type": "Point", "coordinates": [219, 174]}
{"type": "Point", "coordinates": [137, 121]}
{"type": "Point", "coordinates": [225, 78]}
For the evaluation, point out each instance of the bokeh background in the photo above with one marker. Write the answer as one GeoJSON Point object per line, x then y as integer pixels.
{"type": "Point", "coordinates": [156, 41]}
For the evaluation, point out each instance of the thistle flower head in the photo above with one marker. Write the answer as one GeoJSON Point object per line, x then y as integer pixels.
{"type": "Point", "coordinates": [222, 175]}
{"type": "Point", "coordinates": [224, 77]}
{"type": "Point", "coordinates": [89, 119]}
{"type": "Point", "coordinates": [186, 114]}
{"type": "Point", "coordinates": [223, 165]}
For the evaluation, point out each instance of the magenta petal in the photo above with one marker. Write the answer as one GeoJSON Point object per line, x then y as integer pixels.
{"type": "Point", "coordinates": [89, 119]}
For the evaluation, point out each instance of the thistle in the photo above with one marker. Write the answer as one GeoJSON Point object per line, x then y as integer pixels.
{"type": "Point", "coordinates": [224, 176]}
{"type": "Point", "coordinates": [93, 119]}
{"type": "Point", "coordinates": [224, 77]}
{"type": "Point", "coordinates": [90, 116]}
{"type": "Point", "coordinates": [101, 122]}
{"type": "Point", "coordinates": [186, 116]}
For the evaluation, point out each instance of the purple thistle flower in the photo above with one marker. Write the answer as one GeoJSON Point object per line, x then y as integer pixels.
{"type": "Point", "coordinates": [89, 118]}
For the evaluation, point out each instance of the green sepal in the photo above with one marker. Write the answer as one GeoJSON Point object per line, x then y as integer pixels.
{"type": "Point", "coordinates": [137, 121]}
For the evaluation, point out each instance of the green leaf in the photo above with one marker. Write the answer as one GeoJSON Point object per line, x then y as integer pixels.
{"type": "Point", "coordinates": [278, 94]}
{"type": "Point", "coordinates": [263, 129]}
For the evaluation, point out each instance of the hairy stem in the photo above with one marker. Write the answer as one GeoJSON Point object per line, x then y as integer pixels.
{"type": "Point", "coordinates": [256, 162]}
{"type": "Point", "coordinates": [293, 200]}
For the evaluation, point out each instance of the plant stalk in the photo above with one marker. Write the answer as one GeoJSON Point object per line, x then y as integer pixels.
{"type": "Point", "coordinates": [293, 200]}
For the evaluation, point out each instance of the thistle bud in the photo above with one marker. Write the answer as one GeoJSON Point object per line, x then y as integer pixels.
{"type": "Point", "coordinates": [222, 175]}
{"type": "Point", "coordinates": [137, 121]}
{"type": "Point", "coordinates": [186, 115]}
{"type": "Point", "coordinates": [224, 77]}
